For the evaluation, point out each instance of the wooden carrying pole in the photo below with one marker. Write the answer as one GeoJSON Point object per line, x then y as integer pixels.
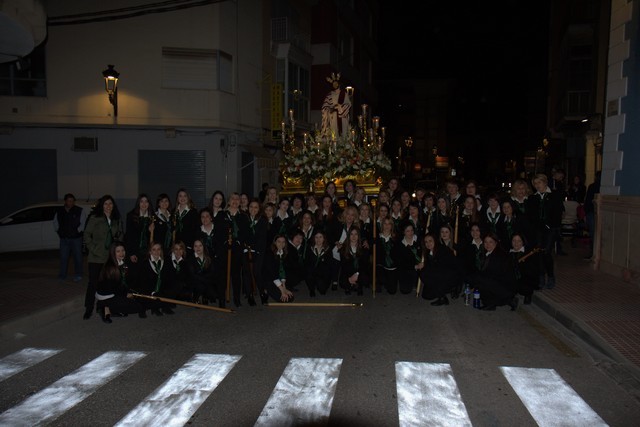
{"type": "Point", "coordinates": [230, 243]}
{"type": "Point", "coordinates": [185, 303]}
{"type": "Point", "coordinates": [315, 304]}
{"type": "Point", "coordinates": [373, 246]}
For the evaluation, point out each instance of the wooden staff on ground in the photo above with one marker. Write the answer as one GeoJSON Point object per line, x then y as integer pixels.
{"type": "Point", "coordinates": [373, 246]}
{"type": "Point", "coordinates": [314, 304]}
{"type": "Point", "coordinates": [185, 303]}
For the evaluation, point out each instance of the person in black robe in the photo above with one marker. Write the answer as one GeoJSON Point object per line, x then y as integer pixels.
{"type": "Point", "coordinates": [441, 273]}
{"type": "Point", "coordinates": [496, 279]}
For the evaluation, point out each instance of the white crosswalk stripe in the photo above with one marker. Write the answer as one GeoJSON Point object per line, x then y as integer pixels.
{"type": "Point", "coordinates": [53, 401]}
{"type": "Point", "coordinates": [174, 402]}
{"type": "Point", "coordinates": [23, 359]}
{"type": "Point", "coordinates": [428, 395]}
{"type": "Point", "coordinates": [549, 399]}
{"type": "Point", "coordinates": [304, 393]}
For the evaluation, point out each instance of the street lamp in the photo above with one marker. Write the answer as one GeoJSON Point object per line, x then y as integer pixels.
{"type": "Point", "coordinates": [111, 86]}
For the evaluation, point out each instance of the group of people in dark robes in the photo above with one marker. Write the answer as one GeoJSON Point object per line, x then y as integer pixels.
{"type": "Point", "coordinates": [271, 247]}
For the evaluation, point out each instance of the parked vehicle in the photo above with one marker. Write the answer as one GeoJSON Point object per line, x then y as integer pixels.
{"type": "Point", "coordinates": [31, 228]}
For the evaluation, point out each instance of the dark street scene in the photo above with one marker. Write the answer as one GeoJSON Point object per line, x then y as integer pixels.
{"type": "Point", "coordinates": [319, 213]}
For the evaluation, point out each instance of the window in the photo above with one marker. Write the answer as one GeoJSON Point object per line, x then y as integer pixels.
{"type": "Point", "coordinates": [39, 214]}
{"type": "Point", "coordinates": [299, 101]}
{"type": "Point", "coordinates": [197, 69]}
{"type": "Point", "coordinates": [25, 77]}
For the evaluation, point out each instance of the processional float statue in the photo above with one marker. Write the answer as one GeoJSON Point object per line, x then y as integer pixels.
{"type": "Point", "coordinates": [337, 151]}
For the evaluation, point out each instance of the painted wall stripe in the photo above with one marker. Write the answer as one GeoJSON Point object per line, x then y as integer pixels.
{"type": "Point", "coordinates": [23, 359]}
{"type": "Point", "coordinates": [175, 401]}
{"type": "Point", "coordinates": [304, 393]}
{"type": "Point", "coordinates": [428, 395]}
{"type": "Point", "coordinates": [549, 399]}
{"type": "Point", "coordinates": [51, 402]}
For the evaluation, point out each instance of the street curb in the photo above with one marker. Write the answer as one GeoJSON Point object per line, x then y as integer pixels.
{"type": "Point", "coordinates": [14, 329]}
{"type": "Point", "coordinates": [583, 331]}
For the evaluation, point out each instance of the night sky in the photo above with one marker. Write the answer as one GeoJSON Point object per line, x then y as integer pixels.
{"type": "Point", "coordinates": [498, 58]}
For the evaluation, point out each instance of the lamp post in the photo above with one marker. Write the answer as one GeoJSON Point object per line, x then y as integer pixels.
{"type": "Point", "coordinates": [111, 86]}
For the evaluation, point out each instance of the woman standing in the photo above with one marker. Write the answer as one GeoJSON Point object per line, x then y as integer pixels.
{"type": "Point", "coordinates": [103, 228]}
{"type": "Point", "coordinates": [472, 252]}
{"type": "Point", "coordinates": [366, 222]}
{"type": "Point", "coordinates": [387, 266]}
{"type": "Point", "coordinates": [382, 214]}
{"type": "Point", "coordinates": [492, 214]}
{"type": "Point", "coordinates": [511, 223]}
{"type": "Point", "coordinates": [470, 215]}
{"type": "Point", "coordinates": [447, 238]}
{"type": "Point", "coordinates": [409, 259]}
{"type": "Point", "coordinates": [187, 220]}
{"type": "Point", "coordinates": [430, 212]}
{"type": "Point", "coordinates": [217, 204]}
{"type": "Point", "coordinates": [269, 214]}
{"type": "Point", "coordinates": [138, 234]}
{"type": "Point", "coordinates": [442, 213]}
{"type": "Point", "coordinates": [163, 222]}
{"type": "Point", "coordinates": [234, 222]}
{"type": "Point", "coordinates": [112, 291]}
{"type": "Point", "coordinates": [254, 238]}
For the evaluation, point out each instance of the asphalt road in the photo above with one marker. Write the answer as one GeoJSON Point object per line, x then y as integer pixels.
{"type": "Point", "coordinates": [394, 360]}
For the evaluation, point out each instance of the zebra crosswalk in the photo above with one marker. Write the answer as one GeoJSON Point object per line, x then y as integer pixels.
{"type": "Point", "coordinates": [427, 393]}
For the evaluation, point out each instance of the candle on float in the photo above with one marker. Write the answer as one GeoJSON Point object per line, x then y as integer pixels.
{"type": "Point", "coordinates": [364, 109]}
{"type": "Point", "coordinates": [376, 122]}
{"type": "Point", "coordinates": [384, 132]}
{"type": "Point", "coordinates": [291, 114]}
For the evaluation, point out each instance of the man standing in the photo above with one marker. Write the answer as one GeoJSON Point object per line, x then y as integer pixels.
{"type": "Point", "coordinates": [545, 209]}
{"type": "Point", "coordinates": [68, 222]}
{"type": "Point", "coordinates": [589, 210]}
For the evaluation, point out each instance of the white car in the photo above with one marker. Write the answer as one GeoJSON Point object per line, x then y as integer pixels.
{"type": "Point", "coordinates": [31, 228]}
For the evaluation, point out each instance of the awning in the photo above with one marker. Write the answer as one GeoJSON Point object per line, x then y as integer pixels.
{"type": "Point", "coordinates": [264, 159]}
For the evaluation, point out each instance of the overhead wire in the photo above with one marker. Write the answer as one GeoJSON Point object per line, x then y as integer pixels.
{"type": "Point", "coordinates": [128, 12]}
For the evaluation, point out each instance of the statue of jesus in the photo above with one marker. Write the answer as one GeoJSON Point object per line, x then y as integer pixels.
{"type": "Point", "coordinates": [336, 110]}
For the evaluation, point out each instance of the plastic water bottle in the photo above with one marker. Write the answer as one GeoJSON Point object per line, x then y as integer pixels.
{"type": "Point", "coordinates": [467, 294]}
{"type": "Point", "coordinates": [476, 298]}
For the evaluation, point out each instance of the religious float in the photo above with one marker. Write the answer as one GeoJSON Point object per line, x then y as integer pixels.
{"type": "Point", "coordinates": [336, 151]}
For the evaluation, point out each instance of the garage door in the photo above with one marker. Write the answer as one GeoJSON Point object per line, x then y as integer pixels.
{"type": "Point", "coordinates": [166, 171]}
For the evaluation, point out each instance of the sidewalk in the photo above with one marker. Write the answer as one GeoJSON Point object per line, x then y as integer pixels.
{"type": "Point", "coordinates": [601, 309]}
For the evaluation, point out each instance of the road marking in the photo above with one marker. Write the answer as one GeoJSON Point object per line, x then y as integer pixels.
{"type": "Point", "coordinates": [304, 393]}
{"type": "Point", "coordinates": [428, 395]}
{"type": "Point", "coordinates": [23, 359]}
{"type": "Point", "coordinates": [549, 399]}
{"type": "Point", "coordinates": [51, 402]}
{"type": "Point", "coordinates": [175, 401]}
